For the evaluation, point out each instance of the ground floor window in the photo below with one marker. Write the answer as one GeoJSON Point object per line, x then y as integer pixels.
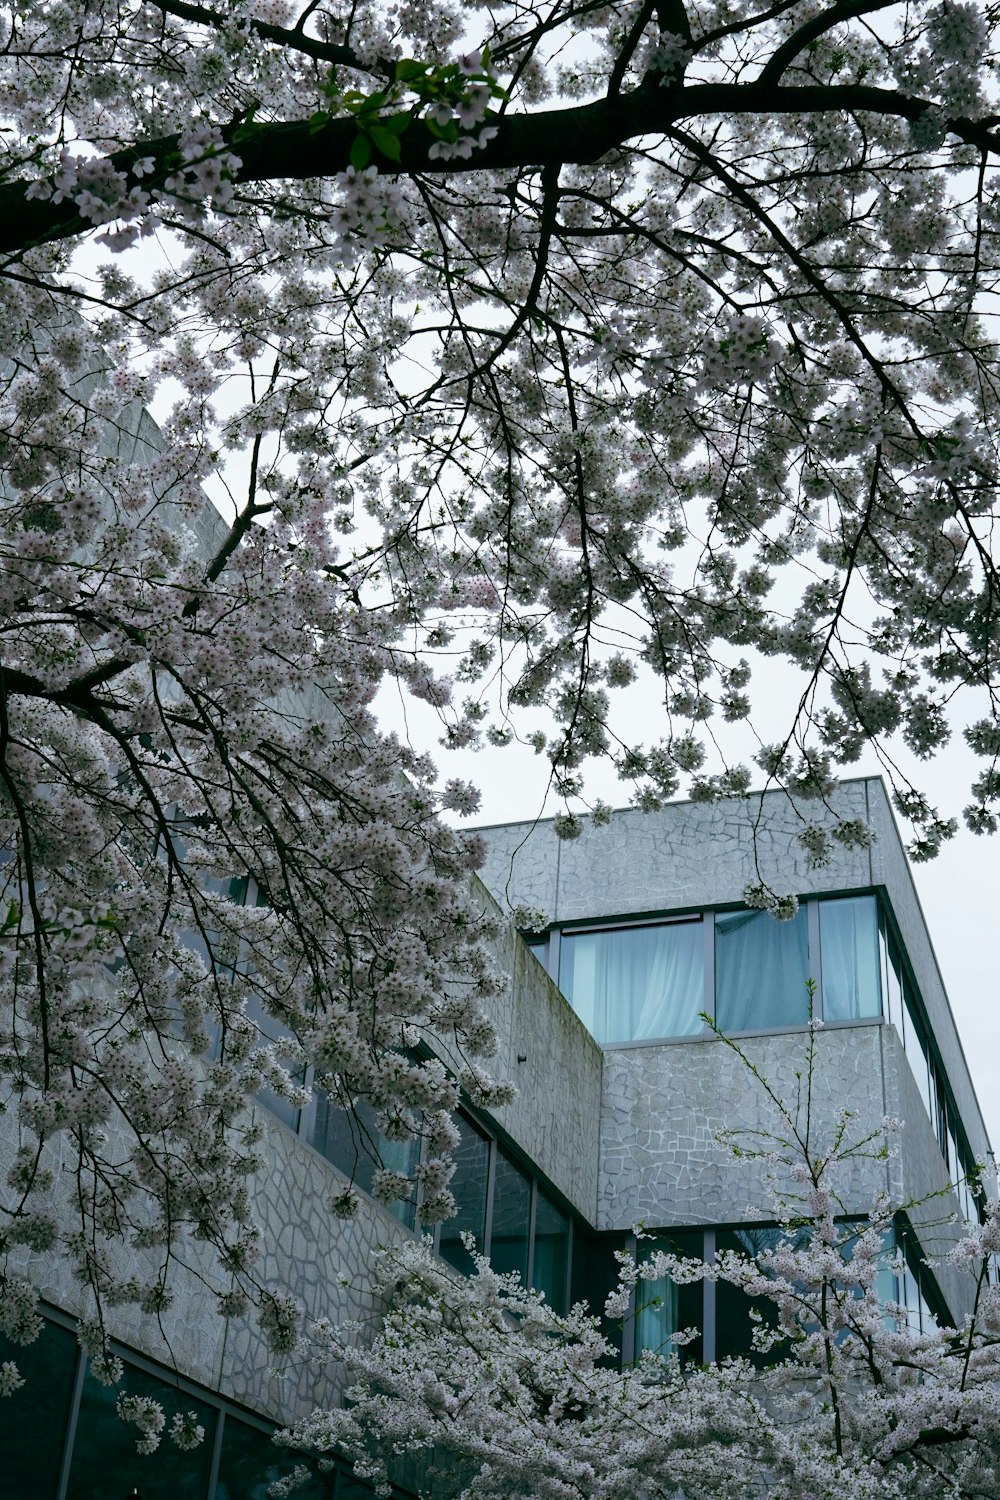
{"type": "Point", "coordinates": [62, 1439]}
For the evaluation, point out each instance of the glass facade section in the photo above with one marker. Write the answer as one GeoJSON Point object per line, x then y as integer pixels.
{"type": "Point", "coordinates": [761, 969]}
{"type": "Point", "coordinates": [105, 1464]}
{"type": "Point", "coordinates": [663, 1308]}
{"type": "Point", "coordinates": [511, 1218]}
{"type": "Point", "coordinates": [469, 1185]}
{"type": "Point", "coordinates": [249, 1463]}
{"type": "Point", "coordinates": [354, 1143]}
{"type": "Point", "coordinates": [734, 1325]}
{"type": "Point", "coordinates": [33, 1419]}
{"type": "Point", "coordinates": [594, 1277]}
{"type": "Point", "coordinates": [850, 959]}
{"type": "Point", "coordinates": [631, 984]}
{"type": "Point", "coordinates": [550, 1261]}
{"type": "Point", "coordinates": [64, 1440]}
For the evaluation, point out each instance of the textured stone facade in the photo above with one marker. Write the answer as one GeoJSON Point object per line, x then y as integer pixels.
{"type": "Point", "coordinates": [662, 1104]}
{"type": "Point", "coordinates": [623, 1134]}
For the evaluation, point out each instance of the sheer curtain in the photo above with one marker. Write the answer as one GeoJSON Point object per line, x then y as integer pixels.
{"type": "Point", "coordinates": [849, 945]}
{"type": "Point", "coordinates": [636, 983]}
{"type": "Point", "coordinates": [761, 968]}
{"type": "Point", "coordinates": [656, 1315]}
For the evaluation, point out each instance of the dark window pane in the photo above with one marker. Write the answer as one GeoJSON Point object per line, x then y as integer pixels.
{"type": "Point", "coordinates": [916, 1052]}
{"type": "Point", "coordinates": [540, 949]}
{"type": "Point", "coordinates": [250, 1462]}
{"type": "Point", "coordinates": [850, 958]}
{"type": "Point", "coordinates": [33, 1419]}
{"type": "Point", "coordinates": [663, 1308]}
{"type": "Point", "coordinates": [733, 1323]}
{"type": "Point", "coordinates": [634, 983]}
{"type": "Point", "coordinates": [761, 969]}
{"type": "Point", "coordinates": [511, 1212]}
{"type": "Point", "coordinates": [354, 1143]}
{"type": "Point", "coordinates": [105, 1464]}
{"type": "Point", "coordinates": [595, 1276]}
{"type": "Point", "coordinates": [892, 982]}
{"type": "Point", "coordinates": [548, 1269]}
{"type": "Point", "coordinates": [472, 1162]}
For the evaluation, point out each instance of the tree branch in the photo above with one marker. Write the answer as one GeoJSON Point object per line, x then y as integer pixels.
{"type": "Point", "coordinates": [577, 135]}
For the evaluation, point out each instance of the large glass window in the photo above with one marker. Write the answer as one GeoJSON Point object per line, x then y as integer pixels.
{"type": "Point", "coordinates": [550, 1263]}
{"type": "Point", "coordinates": [632, 984]}
{"type": "Point", "coordinates": [249, 1463]}
{"type": "Point", "coordinates": [594, 1278]}
{"type": "Point", "coordinates": [105, 1463]}
{"type": "Point", "coordinates": [33, 1418]}
{"type": "Point", "coordinates": [664, 1308]}
{"type": "Point", "coordinates": [850, 958]}
{"type": "Point", "coordinates": [761, 969]}
{"type": "Point", "coordinates": [354, 1143]}
{"type": "Point", "coordinates": [511, 1218]}
{"type": "Point", "coordinates": [469, 1185]}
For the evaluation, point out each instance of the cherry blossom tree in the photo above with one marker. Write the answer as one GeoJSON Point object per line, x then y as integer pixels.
{"type": "Point", "coordinates": [495, 1395]}
{"type": "Point", "coordinates": [531, 347]}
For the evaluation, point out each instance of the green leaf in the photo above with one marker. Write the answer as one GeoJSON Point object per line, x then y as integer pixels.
{"type": "Point", "coordinates": [386, 142]}
{"type": "Point", "coordinates": [361, 153]}
{"type": "Point", "coordinates": [397, 123]}
{"type": "Point", "coordinates": [447, 132]}
{"type": "Point", "coordinates": [408, 69]}
{"type": "Point", "coordinates": [318, 120]}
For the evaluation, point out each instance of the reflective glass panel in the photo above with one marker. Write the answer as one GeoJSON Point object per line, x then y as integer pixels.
{"type": "Point", "coordinates": [761, 968]}
{"type": "Point", "coordinates": [250, 1462]}
{"type": "Point", "coordinates": [892, 982]}
{"type": "Point", "coordinates": [353, 1142]}
{"type": "Point", "coordinates": [663, 1308]}
{"type": "Point", "coordinates": [734, 1326]}
{"type": "Point", "coordinates": [105, 1464]}
{"type": "Point", "coordinates": [850, 959]}
{"type": "Point", "coordinates": [33, 1418]}
{"type": "Point", "coordinates": [634, 983]}
{"type": "Point", "coordinates": [551, 1258]}
{"type": "Point", "coordinates": [594, 1277]}
{"type": "Point", "coordinates": [511, 1214]}
{"type": "Point", "coordinates": [472, 1164]}
{"type": "Point", "coordinates": [273, 1031]}
{"type": "Point", "coordinates": [916, 1052]}
{"type": "Point", "coordinates": [540, 949]}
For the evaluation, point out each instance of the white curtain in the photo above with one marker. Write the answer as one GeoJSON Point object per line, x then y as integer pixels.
{"type": "Point", "coordinates": [849, 939]}
{"type": "Point", "coordinates": [761, 968]}
{"type": "Point", "coordinates": [636, 983]}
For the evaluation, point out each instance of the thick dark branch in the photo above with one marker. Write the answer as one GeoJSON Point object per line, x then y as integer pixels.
{"type": "Point", "coordinates": [577, 135]}
{"type": "Point", "coordinates": [809, 31]}
{"type": "Point", "coordinates": [332, 52]}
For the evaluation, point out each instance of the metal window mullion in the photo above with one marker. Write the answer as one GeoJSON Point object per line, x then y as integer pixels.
{"type": "Point", "coordinates": [530, 1272]}
{"type": "Point", "coordinates": [568, 1264]}
{"type": "Point", "coordinates": [708, 1309]}
{"type": "Point", "coordinates": [552, 955]}
{"type": "Point", "coordinates": [213, 1468]}
{"type": "Point", "coordinates": [708, 945]}
{"type": "Point", "coordinates": [631, 1317]}
{"type": "Point", "coordinates": [814, 956]}
{"type": "Point", "coordinates": [74, 1413]}
{"type": "Point", "coordinates": [491, 1173]}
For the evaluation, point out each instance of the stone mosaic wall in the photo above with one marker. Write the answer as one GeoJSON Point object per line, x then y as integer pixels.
{"type": "Point", "coordinates": [663, 1105]}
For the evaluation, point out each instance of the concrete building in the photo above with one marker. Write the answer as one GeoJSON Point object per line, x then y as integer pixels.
{"type": "Point", "coordinates": [622, 1089]}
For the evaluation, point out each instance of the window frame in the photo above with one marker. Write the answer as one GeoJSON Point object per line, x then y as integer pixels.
{"type": "Point", "coordinates": [538, 1183]}
{"type": "Point", "coordinates": [546, 947]}
{"type": "Point", "coordinates": [224, 1406]}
